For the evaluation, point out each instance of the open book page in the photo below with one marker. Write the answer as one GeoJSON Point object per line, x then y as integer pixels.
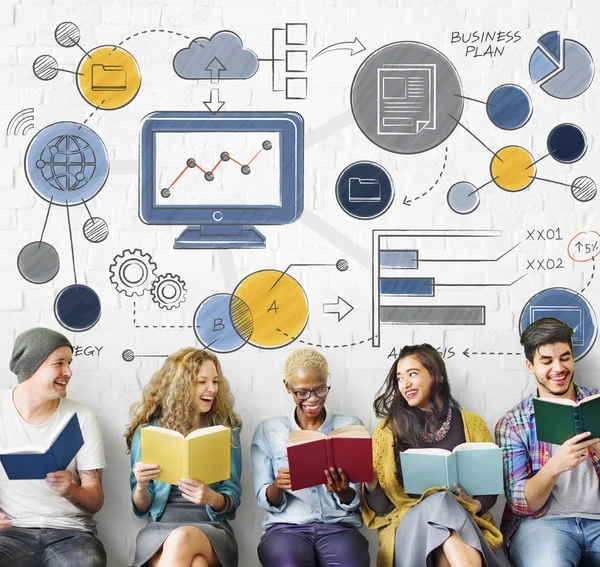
{"type": "Point", "coordinates": [298, 436]}
{"type": "Point", "coordinates": [423, 469]}
{"type": "Point", "coordinates": [207, 457]}
{"type": "Point", "coordinates": [206, 431]}
{"type": "Point", "coordinates": [479, 468]}
{"type": "Point", "coordinates": [350, 431]}
{"type": "Point", "coordinates": [161, 447]}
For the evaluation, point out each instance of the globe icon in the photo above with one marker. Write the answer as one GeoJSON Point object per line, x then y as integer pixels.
{"type": "Point", "coordinates": [66, 163]}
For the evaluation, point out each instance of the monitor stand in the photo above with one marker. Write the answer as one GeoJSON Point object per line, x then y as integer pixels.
{"type": "Point", "coordinates": [220, 236]}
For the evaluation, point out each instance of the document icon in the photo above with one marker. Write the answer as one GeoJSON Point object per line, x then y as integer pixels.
{"type": "Point", "coordinates": [109, 78]}
{"type": "Point", "coordinates": [406, 98]}
{"type": "Point", "coordinates": [364, 190]}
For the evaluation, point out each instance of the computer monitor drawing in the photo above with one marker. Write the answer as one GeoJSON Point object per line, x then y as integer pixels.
{"type": "Point", "coordinates": [220, 174]}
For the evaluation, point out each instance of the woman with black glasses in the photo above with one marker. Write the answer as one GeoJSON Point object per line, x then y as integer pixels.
{"type": "Point", "coordinates": [316, 525]}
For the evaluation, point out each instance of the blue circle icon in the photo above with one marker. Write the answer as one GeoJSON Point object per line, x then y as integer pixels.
{"type": "Point", "coordinates": [509, 107]}
{"type": "Point", "coordinates": [364, 190]}
{"type": "Point", "coordinates": [567, 143]}
{"type": "Point", "coordinates": [463, 197]}
{"type": "Point", "coordinates": [77, 307]}
{"type": "Point", "coordinates": [223, 323]}
{"type": "Point", "coordinates": [569, 307]}
{"type": "Point", "coordinates": [66, 163]}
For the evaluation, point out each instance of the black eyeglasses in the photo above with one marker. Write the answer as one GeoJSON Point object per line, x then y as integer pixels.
{"type": "Point", "coordinates": [321, 392]}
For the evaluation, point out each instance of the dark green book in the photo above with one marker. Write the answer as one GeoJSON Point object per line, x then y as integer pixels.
{"type": "Point", "coordinates": [559, 419]}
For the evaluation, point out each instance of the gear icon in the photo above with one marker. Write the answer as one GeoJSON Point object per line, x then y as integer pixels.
{"type": "Point", "coordinates": [168, 291]}
{"type": "Point", "coordinates": [132, 272]}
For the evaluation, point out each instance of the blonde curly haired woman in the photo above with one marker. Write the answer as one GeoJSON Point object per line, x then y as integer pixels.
{"type": "Point", "coordinates": [312, 526]}
{"type": "Point", "coordinates": [188, 526]}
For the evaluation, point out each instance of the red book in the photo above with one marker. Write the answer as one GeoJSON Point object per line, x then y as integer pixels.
{"type": "Point", "coordinates": [311, 452]}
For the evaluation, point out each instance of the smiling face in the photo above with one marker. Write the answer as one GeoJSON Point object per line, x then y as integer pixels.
{"type": "Point", "coordinates": [414, 382]}
{"type": "Point", "coordinates": [50, 380]}
{"type": "Point", "coordinates": [307, 380]}
{"type": "Point", "coordinates": [207, 386]}
{"type": "Point", "coordinates": [553, 367]}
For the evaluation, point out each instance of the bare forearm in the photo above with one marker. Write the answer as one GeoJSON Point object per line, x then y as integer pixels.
{"type": "Point", "coordinates": [89, 497]}
{"type": "Point", "coordinates": [274, 494]}
{"type": "Point", "coordinates": [142, 499]}
{"type": "Point", "coordinates": [539, 487]}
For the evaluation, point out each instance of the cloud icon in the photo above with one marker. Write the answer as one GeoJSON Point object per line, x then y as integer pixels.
{"type": "Point", "coordinates": [221, 57]}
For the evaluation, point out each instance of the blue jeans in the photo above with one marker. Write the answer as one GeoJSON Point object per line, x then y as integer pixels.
{"type": "Point", "coordinates": [556, 542]}
{"type": "Point", "coordinates": [48, 547]}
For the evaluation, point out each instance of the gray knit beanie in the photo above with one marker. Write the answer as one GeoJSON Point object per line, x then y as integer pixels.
{"type": "Point", "coordinates": [33, 347]}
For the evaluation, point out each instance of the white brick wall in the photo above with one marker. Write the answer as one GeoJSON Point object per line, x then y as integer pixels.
{"type": "Point", "coordinates": [488, 385]}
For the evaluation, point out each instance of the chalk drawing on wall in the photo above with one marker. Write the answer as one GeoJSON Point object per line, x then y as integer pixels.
{"type": "Point", "coordinates": [134, 273]}
{"type": "Point", "coordinates": [21, 123]}
{"type": "Point", "coordinates": [400, 292]}
{"type": "Point", "coordinates": [66, 164]}
{"type": "Point", "coordinates": [509, 107]}
{"type": "Point", "coordinates": [364, 190]}
{"type": "Point", "coordinates": [191, 174]}
{"type": "Point", "coordinates": [563, 68]}
{"type": "Point", "coordinates": [268, 309]}
{"type": "Point", "coordinates": [406, 97]}
{"type": "Point", "coordinates": [568, 306]}
{"type": "Point", "coordinates": [222, 57]}
{"type": "Point", "coordinates": [108, 77]}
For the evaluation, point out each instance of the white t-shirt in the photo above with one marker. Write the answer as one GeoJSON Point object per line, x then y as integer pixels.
{"type": "Point", "coordinates": [31, 503]}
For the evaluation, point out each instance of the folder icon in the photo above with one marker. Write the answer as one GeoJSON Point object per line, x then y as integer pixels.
{"type": "Point", "coordinates": [109, 78]}
{"type": "Point", "coordinates": [364, 190]}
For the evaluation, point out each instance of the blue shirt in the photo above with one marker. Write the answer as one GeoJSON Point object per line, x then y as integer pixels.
{"type": "Point", "coordinates": [314, 504]}
{"type": "Point", "coordinates": [159, 491]}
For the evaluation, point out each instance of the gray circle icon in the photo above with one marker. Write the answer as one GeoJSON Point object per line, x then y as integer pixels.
{"type": "Point", "coordinates": [584, 189]}
{"type": "Point", "coordinates": [463, 197]}
{"type": "Point", "coordinates": [407, 97]}
{"type": "Point", "coordinates": [38, 262]}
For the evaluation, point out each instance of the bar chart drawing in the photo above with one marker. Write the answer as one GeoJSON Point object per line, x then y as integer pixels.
{"type": "Point", "coordinates": [399, 292]}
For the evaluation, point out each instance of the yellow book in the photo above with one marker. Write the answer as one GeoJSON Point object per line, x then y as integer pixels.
{"type": "Point", "coordinates": [204, 454]}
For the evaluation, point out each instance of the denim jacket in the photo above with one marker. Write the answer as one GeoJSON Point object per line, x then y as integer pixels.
{"type": "Point", "coordinates": [314, 504]}
{"type": "Point", "coordinates": [159, 491]}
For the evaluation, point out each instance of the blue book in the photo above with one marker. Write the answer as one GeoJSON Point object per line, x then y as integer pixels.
{"type": "Point", "coordinates": [33, 462]}
{"type": "Point", "coordinates": [475, 467]}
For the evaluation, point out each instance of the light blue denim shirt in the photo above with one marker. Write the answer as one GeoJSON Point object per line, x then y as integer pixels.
{"type": "Point", "coordinates": [315, 504]}
{"type": "Point", "coordinates": [159, 491]}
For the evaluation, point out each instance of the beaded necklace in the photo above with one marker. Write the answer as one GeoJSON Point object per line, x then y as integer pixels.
{"type": "Point", "coordinates": [440, 433]}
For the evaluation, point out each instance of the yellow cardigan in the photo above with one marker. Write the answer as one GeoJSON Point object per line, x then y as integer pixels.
{"type": "Point", "coordinates": [385, 464]}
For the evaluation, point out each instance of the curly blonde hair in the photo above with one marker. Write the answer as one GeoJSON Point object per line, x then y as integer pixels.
{"type": "Point", "coordinates": [170, 398]}
{"type": "Point", "coordinates": [305, 359]}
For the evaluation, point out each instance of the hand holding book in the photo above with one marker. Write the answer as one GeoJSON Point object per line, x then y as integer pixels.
{"type": "Point", "coordinates": [572, 453]}
{"type": "Point", "coordinates": [144, 474]}
{"type": "Point", "coordinates": [462, 495]}
{"type": "Point", "coordinates": [337, 482]}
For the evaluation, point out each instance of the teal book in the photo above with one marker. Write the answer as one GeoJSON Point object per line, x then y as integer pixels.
{"type": "Point", "coordinates": [475, 467]}
{"type": "Point", "coordinates": [34, 462]}
{"type": "Point", "coordinates": [559, 419]}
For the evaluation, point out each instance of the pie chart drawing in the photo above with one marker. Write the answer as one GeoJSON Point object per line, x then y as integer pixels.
{"type": "Point", "coordinates": [564, 68]}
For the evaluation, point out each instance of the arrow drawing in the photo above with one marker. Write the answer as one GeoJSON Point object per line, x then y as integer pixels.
{"type": "Point", "coordinates": [214, 104]}
{"type": "Point", "coordinates": [342, 308]}
{"type": "Point", "coordinates": [354, 46]}
{"type": "Point", "coordinates": [215, 67]}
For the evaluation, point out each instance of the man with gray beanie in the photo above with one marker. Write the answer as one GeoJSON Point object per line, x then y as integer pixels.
{"type": "Point", "coordinates": [48, 522]}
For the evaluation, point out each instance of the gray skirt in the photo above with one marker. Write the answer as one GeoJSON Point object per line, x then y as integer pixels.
{"type": "Point", "coordinates": [180, 512]}
{"type": "Point", "coordinates": [427, 525]}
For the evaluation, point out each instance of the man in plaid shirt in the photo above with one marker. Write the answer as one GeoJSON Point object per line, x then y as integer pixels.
{"type": "Point", "coordinates": [552, 513]}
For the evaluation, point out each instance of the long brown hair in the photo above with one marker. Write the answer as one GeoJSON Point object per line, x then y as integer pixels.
{"type": "Point", "coordinates": [402, 419]}
{"type": "Point", "coordinates": [169, 397]}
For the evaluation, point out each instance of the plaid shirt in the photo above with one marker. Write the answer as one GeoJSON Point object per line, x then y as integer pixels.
{"type": "Point", "coordinates": [523, 456]}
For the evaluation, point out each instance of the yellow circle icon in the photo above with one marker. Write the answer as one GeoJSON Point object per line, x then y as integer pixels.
{"type": "Point", "coordinates": [512, 168]}
{"type": "Point", "coordinates": [278, 305]}
{"type": "Point", "coordinates": [108, 77]}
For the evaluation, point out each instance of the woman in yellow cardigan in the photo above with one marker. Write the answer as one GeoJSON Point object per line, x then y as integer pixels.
{"type": "Point", "coordinates": [436, 529]}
